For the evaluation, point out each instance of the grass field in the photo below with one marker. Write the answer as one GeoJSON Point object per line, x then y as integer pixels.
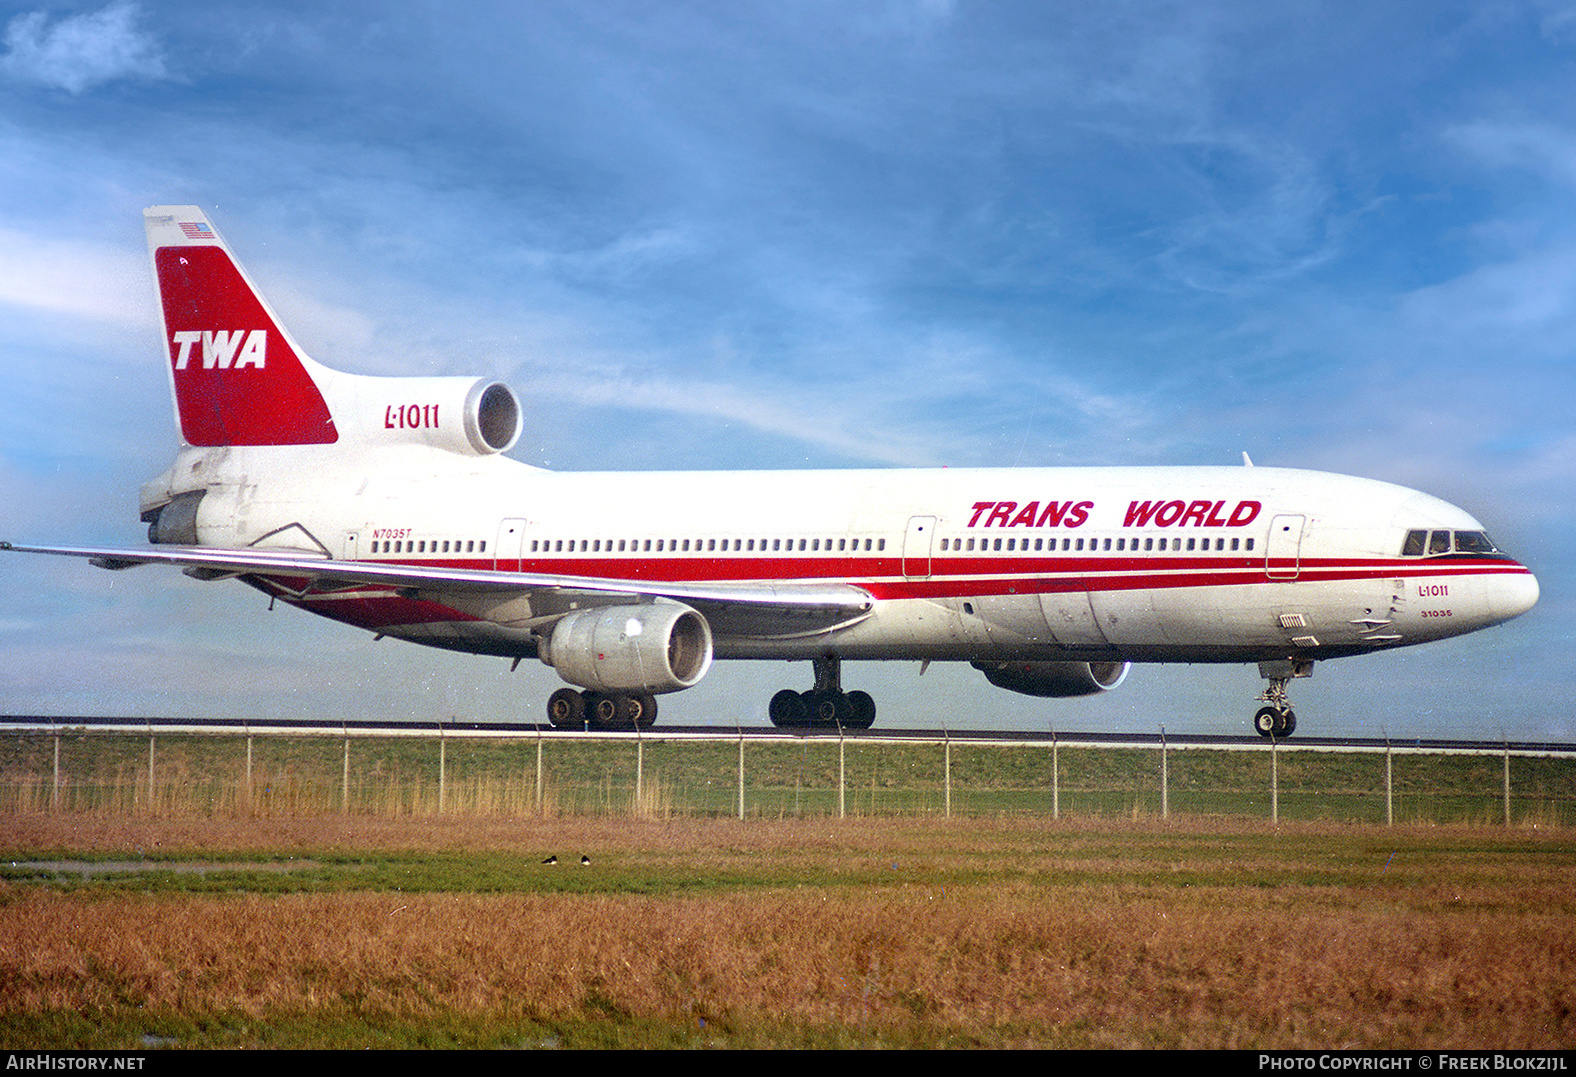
{"type": "Point", "coordinates": [198, 917]}
{"type": "Point", "coordinates": [430, 931]}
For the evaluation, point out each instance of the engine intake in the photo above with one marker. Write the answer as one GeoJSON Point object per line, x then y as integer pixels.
{"type": "Point", "coordinates": [660, 647]}
{"type": "Point", "coordinates": [1054, 680]}
{"type": "Point", "coordinates": [471, 416]}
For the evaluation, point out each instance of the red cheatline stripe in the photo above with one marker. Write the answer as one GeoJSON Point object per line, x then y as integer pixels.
{"type": "Point", "coordinates": [962, 578]}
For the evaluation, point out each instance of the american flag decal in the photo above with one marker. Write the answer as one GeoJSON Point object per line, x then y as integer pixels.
{"type": "Point", "coordinates": [197, 230]}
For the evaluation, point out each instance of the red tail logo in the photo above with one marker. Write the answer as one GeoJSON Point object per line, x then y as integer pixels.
{"type": "Point", "coordinates": [237, 379]}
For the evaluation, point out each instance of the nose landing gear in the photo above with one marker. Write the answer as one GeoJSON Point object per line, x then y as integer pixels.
{"type": "Point", "coordinates": [1278, 719]}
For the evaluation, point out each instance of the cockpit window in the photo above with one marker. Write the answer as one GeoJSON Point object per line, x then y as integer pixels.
{"type": "Point", "coordinates": [1438, 543]}
{"type": "Point", "coordinates": [1475, 542]}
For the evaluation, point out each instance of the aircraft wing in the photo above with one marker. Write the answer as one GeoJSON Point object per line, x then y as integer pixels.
{"type": "Point", "coordinates": [733, 607]}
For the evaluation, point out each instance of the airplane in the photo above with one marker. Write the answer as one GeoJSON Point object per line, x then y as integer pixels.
{"type": "Point", "coordinates": [387, 504]}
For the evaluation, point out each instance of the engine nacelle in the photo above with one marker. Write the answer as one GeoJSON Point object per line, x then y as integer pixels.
{"type": "Point", "coordinates": [659, 647]}
{"type": "Point", "coordinates": [470, 416]}
{"type": "Point", "coordinates": [1054, 680]}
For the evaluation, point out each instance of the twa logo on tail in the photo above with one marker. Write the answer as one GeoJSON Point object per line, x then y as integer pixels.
{"type": "Point", "coordinates": [233, 386]}
{"type": "Point", "coordinates": [221, 349]}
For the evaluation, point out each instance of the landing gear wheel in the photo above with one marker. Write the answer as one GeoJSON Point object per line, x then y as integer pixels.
{"type": "Point", "coordinates": [1270, 722]}
{"type": "Point", "coordinates": [828, 708]}
{"type": "Point", "coordinates": [601, 710]}
{"type": "Point", "coordinates": [787, 710]}
{"type": "Point", "coordinates": [1267, 721]}
{"type": "Point", "coordinates": [824, 705]}
{"type": "Point", "coordinates": [566, 708]}
{"type": "Point", "coordinates": [637, 711]}
{"type": "Point", "coordinates": [864, 709]}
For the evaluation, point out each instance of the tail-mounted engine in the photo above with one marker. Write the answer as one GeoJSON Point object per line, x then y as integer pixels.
{"type": "Point", "coordinates": [1054, 680]}
{"type": "Point", "coordinates": [471, 416]}
{"type": "Point", "coordinates": [659, 647]}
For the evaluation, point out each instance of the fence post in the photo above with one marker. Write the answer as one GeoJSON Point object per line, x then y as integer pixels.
{"type": "Point", "coordinates": [538, 771]}
{"type": "Point", "coordinates": [344, 778]}
{"type": "Point", "coordinates": [1389, 785]}
{"type": "Point", "coordinates": [54, 790]}
{"type": "Point", "coordinates": [443, 753]}
{"type": "Point", "coordinates": [640, 771]}
{"type": "Point", "coordinates": [1274, 779]}
{"type": "Point", "coordinates": [842, 784]}
{"type": "Point", "coordinates": [946, 771]}
{"type": "Point", "coordinates": [1165, 778]}
{"type": "Point", "coordinates": [1507, 783]}
{"type": "Point", "coordinates": [1056, 779]}
{"type": "Point", "coordinates": [741, 775]}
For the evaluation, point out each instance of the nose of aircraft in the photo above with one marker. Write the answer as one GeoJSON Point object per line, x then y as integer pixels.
{"type": "Point", "coordinates": [1514, 594]}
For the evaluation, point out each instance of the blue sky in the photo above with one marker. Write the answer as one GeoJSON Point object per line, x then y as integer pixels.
{"type": "Point", "coordinates": [734, 235]}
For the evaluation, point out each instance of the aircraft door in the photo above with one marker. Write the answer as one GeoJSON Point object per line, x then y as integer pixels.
{"type": "Point", "coordinates": [916, 547]}
{"type": "Point", "coordinates": [1283, 552]}
{"type": "Point", "coordinates": [511, 540]}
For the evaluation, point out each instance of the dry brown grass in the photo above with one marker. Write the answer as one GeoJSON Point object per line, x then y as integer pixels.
{"type": "Point", "coordinates": [1057, 935]}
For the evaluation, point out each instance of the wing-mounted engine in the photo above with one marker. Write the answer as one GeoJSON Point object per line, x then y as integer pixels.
{"type": "Point", "coordinates": [1054, 680]}
{"type": "Point", "coordinates": [469, 416]}
{"type": "Point", "coordinates": [654, 647]}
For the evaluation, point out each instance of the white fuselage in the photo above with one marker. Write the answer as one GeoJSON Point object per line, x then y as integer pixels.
{"type": "Point", "coordinates": [1193, 564]}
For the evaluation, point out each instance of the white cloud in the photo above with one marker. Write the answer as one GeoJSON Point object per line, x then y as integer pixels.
{"type": "Point", "coordinates": [81, 51]}
{"type": "Point", "coordinates": [77, 279]}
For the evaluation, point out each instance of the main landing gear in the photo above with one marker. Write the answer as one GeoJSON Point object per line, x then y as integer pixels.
{"type": "Point", "coordinates": [1278, 719]}
{"type": "Point", "coordinates": [569, 709]}
{"type": "Point", "coordinates": [824, 705]}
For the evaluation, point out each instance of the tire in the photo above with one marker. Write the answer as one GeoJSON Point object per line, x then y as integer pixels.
{"type": "Point", "coordinates": [864, 710]}
{"type": "Point", "coordinates": [634, 711]}
{"type": "Point", "coordinates": [566, 709]}
{"type": "Point", "coordinates": [642, 711]}
{"type": "Point", "coordinates": [828, 708]}
{"type": "Point", "coordinates": [1267, 722]}
{"type": "Point", "coordinates": [787, 710]}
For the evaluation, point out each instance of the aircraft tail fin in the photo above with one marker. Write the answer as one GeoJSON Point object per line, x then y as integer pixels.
{"type": "Point", "coordinates": [236, 376]}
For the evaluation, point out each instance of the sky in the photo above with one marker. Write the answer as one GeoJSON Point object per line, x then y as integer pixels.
{"type": "Point", "coordinates": [1334, 235]}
